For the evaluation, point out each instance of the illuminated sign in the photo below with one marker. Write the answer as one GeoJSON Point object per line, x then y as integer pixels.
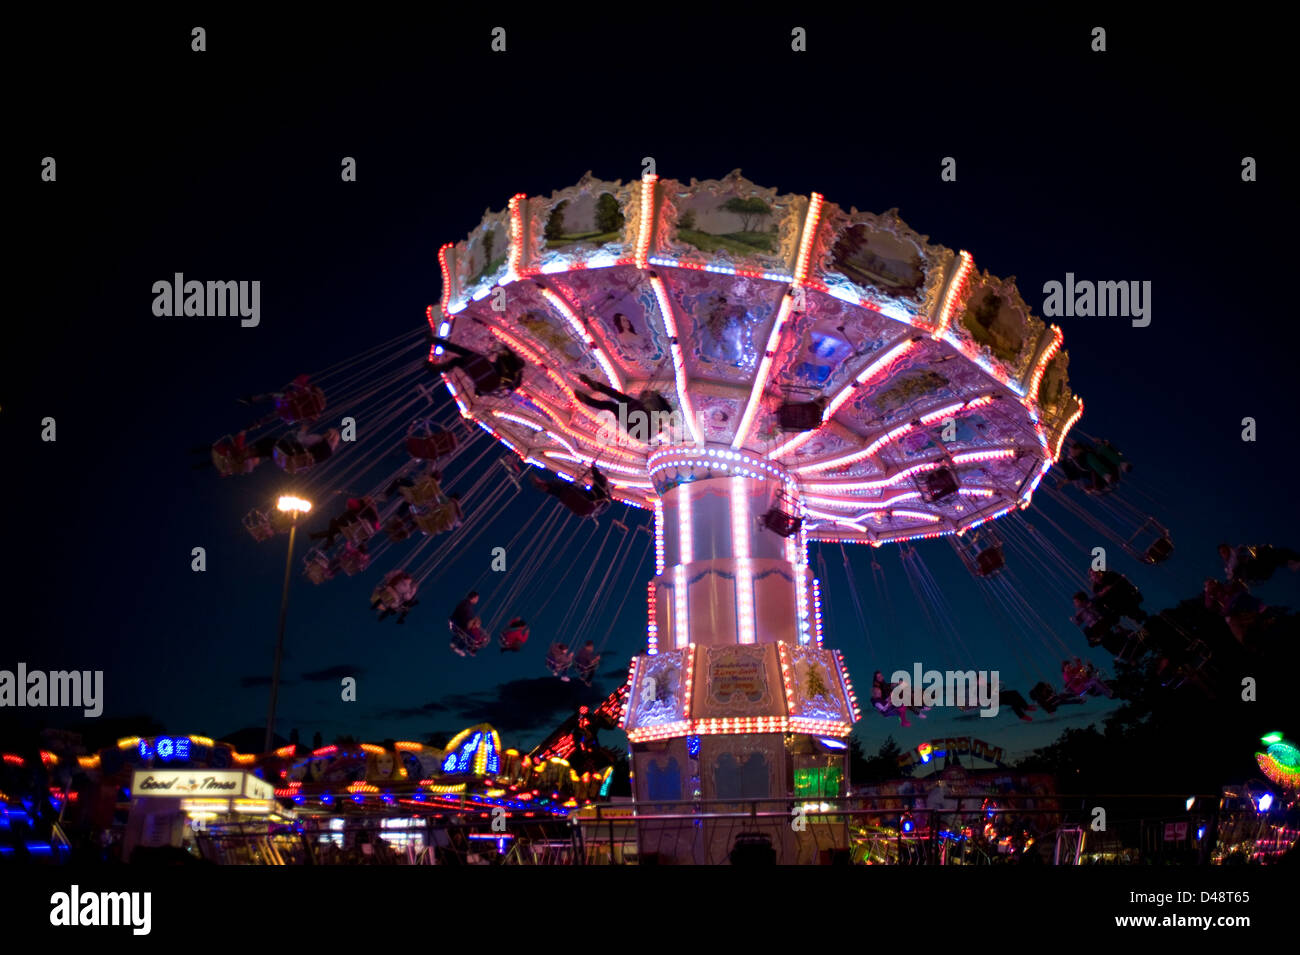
{"type": "Point", "coordinates": [952, 746]}
{"type": "Point", "coordinates": [166, 749]}
{"type": "Point", "coordinates": [185, 784]}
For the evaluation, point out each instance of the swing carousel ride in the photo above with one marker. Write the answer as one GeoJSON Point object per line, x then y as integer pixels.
{"type": "Point", "coordinates": [759, 372]}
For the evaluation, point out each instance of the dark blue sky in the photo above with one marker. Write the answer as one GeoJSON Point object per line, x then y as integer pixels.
{"type": "Point", "coordinates": [225, 165]}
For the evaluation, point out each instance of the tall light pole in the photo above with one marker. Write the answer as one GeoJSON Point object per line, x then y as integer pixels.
{"type": "Point", "coordinates": [293, 506]}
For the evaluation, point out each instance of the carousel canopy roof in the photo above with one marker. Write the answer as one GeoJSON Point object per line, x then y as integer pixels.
{"type": "Point", "coordinates": [733, 302]}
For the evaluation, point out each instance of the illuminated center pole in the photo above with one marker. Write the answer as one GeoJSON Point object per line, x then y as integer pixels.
{"type": "Point", "coordinates": [719, 563]}
{"type": "Point", "coordinates": [293, 506]}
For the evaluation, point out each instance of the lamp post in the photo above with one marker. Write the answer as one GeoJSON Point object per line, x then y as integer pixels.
{"type": "Point", "coordinates": [293, 506]}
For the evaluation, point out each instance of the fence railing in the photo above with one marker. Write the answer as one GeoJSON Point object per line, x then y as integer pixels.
{"type": "Point", "coordinates": [975, 829]}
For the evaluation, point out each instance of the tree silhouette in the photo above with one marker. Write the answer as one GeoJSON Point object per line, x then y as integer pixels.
{"type": "Point", "coordinates": [876, 769]}
{"type": "Point", "coordinates": [608, 216]}
{"type": "Point", "coordinates": [750, 211]}
{"type": "Point", "coordinates": [555, 224]}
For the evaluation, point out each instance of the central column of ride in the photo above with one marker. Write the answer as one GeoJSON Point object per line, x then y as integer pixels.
{"type": "Point", "coordinates": [735, 704]}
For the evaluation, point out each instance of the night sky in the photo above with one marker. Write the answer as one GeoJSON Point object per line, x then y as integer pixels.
{"type": "Point", "coordinates": [225, 165]}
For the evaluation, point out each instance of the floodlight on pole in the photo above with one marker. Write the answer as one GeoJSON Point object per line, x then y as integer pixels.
{"type": "Point", "coordinates": [294, 506]}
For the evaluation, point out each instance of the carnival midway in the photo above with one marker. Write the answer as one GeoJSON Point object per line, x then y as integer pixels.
{"type": "Point", "coordinates": [722, 385]}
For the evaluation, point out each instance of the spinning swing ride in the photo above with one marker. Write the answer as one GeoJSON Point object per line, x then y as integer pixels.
{"type": "Point", "coordinates": [759, 371]}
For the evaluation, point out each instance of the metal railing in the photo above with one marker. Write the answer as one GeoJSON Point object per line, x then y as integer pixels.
{"type": "Point", "coordinates": [972, 829]}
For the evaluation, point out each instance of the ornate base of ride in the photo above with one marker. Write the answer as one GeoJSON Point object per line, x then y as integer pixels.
{"type": "Point", "coordinates": [740, 729]}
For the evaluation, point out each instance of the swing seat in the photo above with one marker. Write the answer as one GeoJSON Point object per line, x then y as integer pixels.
{"type": "Point", "coordinates": [353, 561]}
{"type": "Point", "coordinates": [399, 530]}
{"type": "Point", "coordinates": [317, 567]}
{"type": "Point", "coordinates": [781, 523]}
{"type": "Point", "coordinates": [938, 484]}
{"type": "Point", "coordinates": [514, 638]}
{"type": "Point", "coordinates": [386, 598]}
{"type": "Point", "coordinates": [258, 523]}
{"type": "Point", "coordinates": [989, 561]}
{"type": "Point", "coordinates": [1159, 552]}
{"type": "Point", "coordinates": [358, 531]}
{"type": "Point", "coordinates": [425, 492]}
{"type": "Point", "coordinates": [800, 416]}
{"type": "Point", "coordinates": [229, 458]}
{"type": "Point", "coordinates": [291, 456]}
{"type": "Point", "coordinates": [483, 374]}
{"type": "Point", "coordinates": [300, 404]}
{"type": "Point", "coordinates": [428, 447]}
{"type": "Point", "coordinates": [438, 519]}
{"type": "Point", "coordinates": [510, 370]}
{"type": "Point", "coordinates": [465, 642]}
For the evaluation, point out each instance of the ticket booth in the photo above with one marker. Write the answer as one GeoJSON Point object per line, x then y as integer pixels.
{"type": "Point", "coordinates": [169, 806]}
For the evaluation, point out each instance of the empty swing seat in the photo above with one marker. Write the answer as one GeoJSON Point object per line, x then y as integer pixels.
{"type": "Point", "coordinates": [317, 567]}
{"type": "Point", "coordinates": [300, 404]}
{"type": "Point", "coordinates": [353, 561]}
{"type": "Point", "coordinates": [802, 416]}
{"type": "Point", "coordinates": [399, 528]}
{"type": "Point", "coordinates": [939, 484]}
{"type": "Point", "coordinates": [291, 456]}
{"type": "Point", "coordinates": [230, 457]}
{"type": "Point", "coordinates": [989, 561]}
{"type": "Point", "coordinates": [1159, 551]}
{"type": "Point", "coordinates": [483, 374]}
{"type": "Point", "coordinates": [781, 523]}
{"type": "Point", "coordinates": [258, 523]}
{"type": "Point", "coordinates": [428, 447]}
